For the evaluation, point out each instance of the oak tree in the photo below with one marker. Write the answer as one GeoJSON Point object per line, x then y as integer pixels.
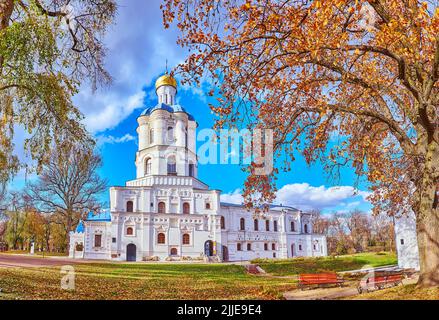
{"type": "Point", "coordinates": [345, 82]}
{"type": "Point", "coordinates": [68, 186]}
{"type": "Point", "coordinates": [47, 49]}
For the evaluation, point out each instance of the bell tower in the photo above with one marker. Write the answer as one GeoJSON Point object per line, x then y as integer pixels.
{"type": "Point", "coordinates": [166, 135]}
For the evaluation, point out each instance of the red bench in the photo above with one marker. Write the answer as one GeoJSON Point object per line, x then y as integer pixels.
{"type": "Point", "coordinates": [319, 279]}
{"type": "Point", "coordinates": [378, 282]}
{"type": "Point", "coordinates": [252, 268]}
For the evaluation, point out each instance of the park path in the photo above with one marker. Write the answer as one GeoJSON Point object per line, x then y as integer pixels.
{"type": "Point", "coordinates": [8, 260]}
{"type": "Point", "coordinates": [321, 293]}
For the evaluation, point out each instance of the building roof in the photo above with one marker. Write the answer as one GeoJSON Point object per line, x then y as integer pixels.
{"type": "Point", "coordinates": [170, 108]}
{"type": "Point", "coordinates": [80, 227]}
{"type": "Point", "coordinates": [166, 80]}
{"type": "Point", "coordinates": [271, 206]}
{"type": "Point", "coordinates": [102, 216]}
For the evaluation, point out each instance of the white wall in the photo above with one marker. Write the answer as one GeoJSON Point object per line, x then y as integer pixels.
{"type": "Point", "coordinates": [406, 242]}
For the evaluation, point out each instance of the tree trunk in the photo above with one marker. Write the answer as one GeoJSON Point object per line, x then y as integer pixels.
{"type": "Point", "coordinates": [427, 215]}
{"type": "Point", "coordinates": [68, 227]}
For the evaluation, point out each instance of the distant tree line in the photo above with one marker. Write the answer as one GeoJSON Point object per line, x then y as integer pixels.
{"type": "Point", "coordinates": [355, 231]}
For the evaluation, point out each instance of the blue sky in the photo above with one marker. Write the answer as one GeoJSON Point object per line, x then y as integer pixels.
{"type": "Point", "coordinates": [138, 47]}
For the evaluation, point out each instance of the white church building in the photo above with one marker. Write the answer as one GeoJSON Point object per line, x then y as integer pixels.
{"type": "Point", "coordinates": [166, 213]}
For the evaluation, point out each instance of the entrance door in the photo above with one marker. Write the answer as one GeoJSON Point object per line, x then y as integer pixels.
{"type": "Point", "coordinates": [292, 250]}
{"type": "Point", "coordinates": [208, 248]}
{"type": "Point", "coordinates": [225, 253]}
{"type": "Point", "coordinates": [131, 252]}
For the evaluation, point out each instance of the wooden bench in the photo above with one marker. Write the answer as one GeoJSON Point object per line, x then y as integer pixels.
{"type": "Point", "coordinates": [379, 281]}
{"type": "Point", "coordinates": [319, 279]}
{"type": "Point", "coordinates": [252, 268]}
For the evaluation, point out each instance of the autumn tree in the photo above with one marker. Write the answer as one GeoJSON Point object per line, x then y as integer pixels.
{"type": "Point", "coordinates": [345, 82]}
{"type": "Point", "coordinates": [383, 231]}
{"type": "Point", "coordinates": [68, 186]}
{"type": "Point", "coordinates": [47, 49]}
{"type": "Point", "coordinates": [16, 212]}
{"type": "Point", "coordinates": [359, 226]}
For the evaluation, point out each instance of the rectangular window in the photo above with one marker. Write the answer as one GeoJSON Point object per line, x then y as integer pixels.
{"type": "Point", "coordinates": [275, 225]}
{"type": "Point", "coordinates": [98, 240]}
{"type": "Point", "coordinates": [300, 247]}
{"type": "Point", "coordinates": [114, 240]}
{"type": "Point", "coordinates": [402, 241]}
{"type": "Point", "coordinates": [172, 169]}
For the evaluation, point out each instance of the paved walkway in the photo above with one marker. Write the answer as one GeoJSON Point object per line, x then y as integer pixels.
{"type": "Point", "coordinates": [321, 293]}
{"type": "Point", "coordinates": [27, 261]}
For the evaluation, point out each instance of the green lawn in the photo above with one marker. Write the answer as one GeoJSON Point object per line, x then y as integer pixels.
{"type": "Point", "coordinates": [142, 281]}
{"type": "Point", "coordinates": [37, 253]}
{"type": "Point", "coordinates": [173, 281]}
{"type": "Point", "coordinates": [314, 265]}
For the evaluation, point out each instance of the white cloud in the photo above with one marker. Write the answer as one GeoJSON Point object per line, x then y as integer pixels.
{"type": "Point", "coordinates": [112, 140]}
{"type": "Point", "coordinates": [114, 110]}
{"type": "Point", "coordinates": [232, 197]}
{"type": "Point", "coordinates": [306, 197]}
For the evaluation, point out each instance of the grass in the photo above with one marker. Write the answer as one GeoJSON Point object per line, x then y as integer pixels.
{"type": "Point", "coordinates": [174, 280]}
{"type": "Point", "coordinates": [406, 292]}
{"type": "Point", "coordinates": [294, 266]}
{"type": "Point", "coordinates": [142, 281]}
{"type": "Point", "coordinates": [37, 253]}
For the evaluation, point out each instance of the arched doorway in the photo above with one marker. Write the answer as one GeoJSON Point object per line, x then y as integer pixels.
{"type": "Point", "coordinates": [208, 248]}
{"type": "Point", "coordinates": [131, 252]}
{"type": "Point", "coordinates": [293, 246]}
{"type": "Point", "coordinates": [225, 253]}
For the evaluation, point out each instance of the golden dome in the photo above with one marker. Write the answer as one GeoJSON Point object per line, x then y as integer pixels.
{"type": "Point", "coordinates": [166, 80]}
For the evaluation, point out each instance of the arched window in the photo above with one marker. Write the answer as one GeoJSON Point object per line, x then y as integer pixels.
{"type": "Point", "coordinates": [161, 207]}
{"type": "Point", "coordinates": [172, 167]}
{"type": "Point", "coordinates": [293, 226]}
{"type": "Point", "coordinates": [223, 223]}
{"type": "Point", "coordinates": [191, 170]}
{"type": "Point", "coordinates": [174, 251]}
{"type": "Point", "coordinates": [238, 247]}
{"type": "Point", "coordinates": [275, 225]}
{"type": "Point", "coordinates": [186, 208]}
{"type": "Point", "coordinates": [242, 224]}
{"type": "Point", "coordinates": [129, 206]}
{"type": "Point", "coordinates": [249, 246]}
{"type": "Point", "coordinates": [148, 165]}
{"type": "Point", "coordinates": [207, 205]}
{"type": "Point", "coordinates": [305, 228]}
{"type": "Point", "coordinates": [267, 225]}
{"type": "Point", "coordinates": [265, 246]}
{"type": "Point", "coordinates": [151, 136]}
{"type": "Point", "coordinates": [273, 246]}
{"type": "Point", "coordinates": [170, 134]}
{"type": "Point", "coordinates": [130, 231]}
{"type": "Point", "coordinates": [256, 224]}
{"type": "Point", "coordinates": [161, 238]}
{"type": "Point", "coordinates": [186, 238]}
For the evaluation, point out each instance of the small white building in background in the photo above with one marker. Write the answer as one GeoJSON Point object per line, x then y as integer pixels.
{"type": "Point", "coordinates": [166, 213]}
{"type": "Point", "coordinates": [406, 241]}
